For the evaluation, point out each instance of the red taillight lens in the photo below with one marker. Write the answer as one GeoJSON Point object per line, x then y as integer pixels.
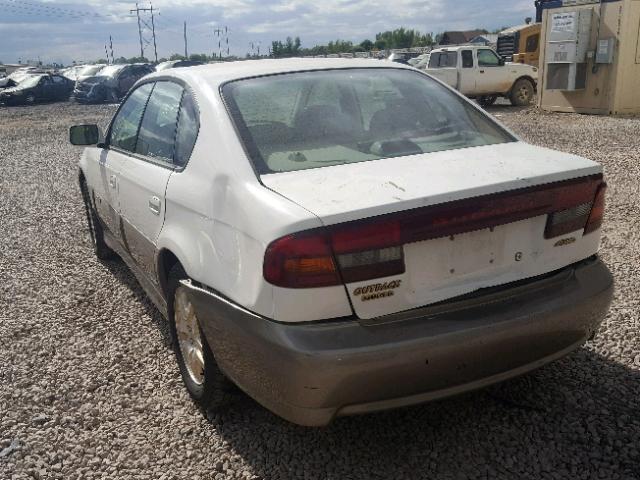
{"type": "Point", "coordinates": [301, 260]}
{"type": "Point", "coordinates": [586, 215]}
{"type": "Point", "coordinates": [597, 211]}
{"type": "Point", "coordinates": [373, 248]}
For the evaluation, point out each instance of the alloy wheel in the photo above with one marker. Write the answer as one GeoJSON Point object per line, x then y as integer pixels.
{"type": "Point", "coordinates": [189, 336]}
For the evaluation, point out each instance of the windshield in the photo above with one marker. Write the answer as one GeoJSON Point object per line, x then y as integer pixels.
{"type": "Point", "coordinates": [314, 119]}
{"type": "Point", "coordinates": [110, 71]}
{"type": "Point", "coordinates": [90, 70]}
{"type": "Point", "coordinates": [29, 82]}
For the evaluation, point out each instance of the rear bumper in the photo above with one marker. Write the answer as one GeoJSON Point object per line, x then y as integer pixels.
{"type": "Point", "coordinates": [310, 373]}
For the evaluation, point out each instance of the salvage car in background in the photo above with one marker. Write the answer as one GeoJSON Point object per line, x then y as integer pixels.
{"type": "Point", "coordinates": [479, 72]}
{"type": "Point", "coordinates": [80, 74]}
{"type": "Point", "coordinates": [17, 76]}
{"type": "Point", "coordinates": [110, 83]}
{"type": "Point", "coordinates": [363, 237]}
{"type": "Point", "coordinates": [37, 88]}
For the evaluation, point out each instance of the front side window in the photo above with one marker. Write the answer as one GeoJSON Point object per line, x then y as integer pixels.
{"type": "Point", "coordinates": [487, 58]}
{"type": "Point", "coordinates": [337, 117]}
{"type": "Point", "coordinates": [158, 129]}
{"type": "Point", "coordinates": [124, 129]}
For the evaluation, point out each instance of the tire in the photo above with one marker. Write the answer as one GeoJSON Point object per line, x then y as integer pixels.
{"type": "Point", "coordinates": [522, 93]}
{"type": "Point", "coordinates": [487, 100]}
{"type": "Point", "coordinates": [30, 99]}
{"type": "Point", "coordinates": [206, 384]}
{"type": "Point", "coordinates": [100, 248]}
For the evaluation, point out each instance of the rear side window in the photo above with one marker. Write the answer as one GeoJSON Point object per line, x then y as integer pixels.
{"type": "Point", "coordinates": [443, 60]}
{"type": "Point", "coordinates": [467, 59]}
{"type": "Point", "coordinates": [159, 124]}
{"type": "Point", "coordinates": [124, 129]}
{"type": "Point", "coordinates": [187, 130]}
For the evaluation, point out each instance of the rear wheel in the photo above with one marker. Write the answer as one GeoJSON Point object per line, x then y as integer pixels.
{"type": "Point", "coordinates": [522, 93]}
{"type": "Point", "coordinates": [206, 384]}
{"type": "Point", "coordinates": [100, 248]}
{"type": "Point", "coordinates": [487, 100]}
{"type": "Point", "coordinates": [30, 99]}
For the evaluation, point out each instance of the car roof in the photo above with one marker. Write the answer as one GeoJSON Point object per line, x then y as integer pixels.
{"type": "Point", "coordinates": [455, 48]}
{"type": "Point", "coordinates": [219, 73]}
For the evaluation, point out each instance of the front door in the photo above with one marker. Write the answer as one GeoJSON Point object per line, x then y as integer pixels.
{"type": "Point", "coordinates": [144, 177]}
{"type": "Point", "coordinates": [121, 143]}
{"type": "Point", "coordinates": [492, 76]}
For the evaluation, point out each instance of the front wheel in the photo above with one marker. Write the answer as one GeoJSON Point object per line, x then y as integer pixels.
{"type": "Point", "coordinates": [522, 93]}
{"type": "Point", "coordinates": [30, 99]}
{"type": "Point", "coordinates": [206, 384]}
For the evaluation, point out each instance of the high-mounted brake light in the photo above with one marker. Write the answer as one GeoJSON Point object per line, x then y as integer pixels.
{"type": "Point", "coordinates": [373, 248]}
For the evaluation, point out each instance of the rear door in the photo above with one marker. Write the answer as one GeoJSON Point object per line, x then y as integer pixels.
{"type": "Point", "coordinates": [468, 72]}
{"type": "Point", "coordinates": [444, 66]}
{"type": "Point", "coordinates": [46, 89]}
{"type": "Point", "coordinates": [59, 87]}
{"type": "Point", "coordinates": [145, 174]}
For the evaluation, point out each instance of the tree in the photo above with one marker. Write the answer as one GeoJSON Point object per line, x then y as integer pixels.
{"type": "Point", "coordinates": [177, 56]}
{"type": "Point", "coordinates": [199, 57]}
{"type": "Point", "coordinates": [367, 45]}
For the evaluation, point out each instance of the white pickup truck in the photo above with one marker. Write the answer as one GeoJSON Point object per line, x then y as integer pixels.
{"type": "Point", "coordinates": [479, 72]}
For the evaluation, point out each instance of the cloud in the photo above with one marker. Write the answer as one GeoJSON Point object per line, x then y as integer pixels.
{"type": "Point", "coordinates": [78, 29]}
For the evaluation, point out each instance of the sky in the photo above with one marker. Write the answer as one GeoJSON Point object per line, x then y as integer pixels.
{"type": "Point", "coordinates": [77, 30]}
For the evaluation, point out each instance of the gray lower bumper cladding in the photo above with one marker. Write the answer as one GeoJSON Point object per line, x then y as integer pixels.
{"type": "Point", "coordinates": [311, 373]}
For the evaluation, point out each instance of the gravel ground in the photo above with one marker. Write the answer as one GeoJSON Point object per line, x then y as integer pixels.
{"type": "Point", "coordinates": [90, 388]}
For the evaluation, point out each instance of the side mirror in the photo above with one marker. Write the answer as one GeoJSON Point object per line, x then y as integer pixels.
{"type": "Point", "coordinates": [84, 135]}
{"type": "Point", "coordinates": [502, 62]}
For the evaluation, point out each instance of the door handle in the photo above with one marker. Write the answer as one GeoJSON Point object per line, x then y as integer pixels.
{"type": "Point", "coordinates": [155, 205]}
{"type": "Point", "coordinates": [113, 181]}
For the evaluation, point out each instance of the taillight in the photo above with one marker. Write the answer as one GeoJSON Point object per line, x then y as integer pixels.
{"type": "Point", "coordinates": [308, 259]}
{"type": "Point", "coordinates": [301, 260]}
{"type": "Point", "coordinates": [585, 216]}
{"type": "Point", "coordinates": [597, 210]}
{"type": "Point", "coordinates": [373, 247]}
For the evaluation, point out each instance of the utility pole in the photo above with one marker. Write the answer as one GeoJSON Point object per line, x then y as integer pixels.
{"type": "Point", "coordinates": [153, 29]}
{"type": "Point", "coordinates": [106, 53]}
{"type": "Point", "coordinates": [111, 45]}
{"type": "Point", "coordinates": [137, 10]}
{"type": "Point", "coordinates": [186, 54]}
{"type": "Point", "coordinates": [218, 32]}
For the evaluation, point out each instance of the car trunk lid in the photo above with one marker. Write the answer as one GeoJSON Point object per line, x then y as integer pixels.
{"type": "Point", "coordinates": [459, 220]}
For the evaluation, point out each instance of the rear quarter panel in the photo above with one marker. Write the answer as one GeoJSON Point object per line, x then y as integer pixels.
{"type": "Point", "coordinates": [220, 220]}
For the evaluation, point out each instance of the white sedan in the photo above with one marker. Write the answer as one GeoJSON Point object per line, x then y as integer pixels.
{"type": "Point", "coordinates": [343, 236]}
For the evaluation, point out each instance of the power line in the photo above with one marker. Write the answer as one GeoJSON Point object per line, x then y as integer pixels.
{"type": "Point", "coordinates": [58, 11]}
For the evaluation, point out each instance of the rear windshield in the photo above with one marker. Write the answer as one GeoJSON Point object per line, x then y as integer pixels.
{"type": "Point", "coordinates": [316, 119]}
